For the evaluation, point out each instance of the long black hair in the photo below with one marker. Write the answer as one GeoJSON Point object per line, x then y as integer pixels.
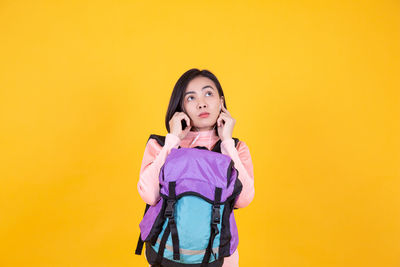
{"type": "Point", "coordinates": [176, 100]}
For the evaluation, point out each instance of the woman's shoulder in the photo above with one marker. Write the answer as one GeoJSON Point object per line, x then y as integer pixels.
{"type": "Point", "coordinates": [154, 145]}
{"type": "Point", "coordinates": [238, 143]}
{"type": "Point", "coordinates": [241, 144]}
{"type": "Point", "coordinates": [157, 141]}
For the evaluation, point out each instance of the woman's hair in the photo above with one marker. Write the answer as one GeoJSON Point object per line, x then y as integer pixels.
{"type": "Point", "coordinates": [176, 100]}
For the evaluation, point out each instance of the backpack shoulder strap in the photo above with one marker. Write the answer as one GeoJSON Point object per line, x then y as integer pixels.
{"type": "Point", "coordinates": [217, 147]}
{"type": "Point", "coordinates": [159, 138]}
{"type": "Point", "coordinates": [236, 141]}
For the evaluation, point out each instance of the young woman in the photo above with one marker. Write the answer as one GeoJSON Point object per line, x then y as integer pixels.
{"type": "Point", "coordinates": [198, 100]}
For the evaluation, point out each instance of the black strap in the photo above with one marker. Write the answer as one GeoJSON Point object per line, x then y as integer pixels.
{"type": "Point", "coordinates": [175, 238]}
{"type": "Point", "coordinates": [171, 189]}
{"type": "Point", "coordinates": [139, 246]}
{"type": "Point", "coordinates": [215, 220]}
{"type": "Point", "coordinates": [171, 227]}
{"type": "Point", "coordinates": [161, 249]}
{"type": "Point", "coordinates": [171, 221]}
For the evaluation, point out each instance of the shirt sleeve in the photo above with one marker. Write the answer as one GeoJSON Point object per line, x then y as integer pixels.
{"type": "Point", "coordinates": [153, 159]}
{"type": "Point", "coordinates": [243, 163]}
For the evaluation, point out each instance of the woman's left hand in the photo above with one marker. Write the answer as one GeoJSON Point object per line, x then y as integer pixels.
{"type": "Point", "coordinates": [225, 124]}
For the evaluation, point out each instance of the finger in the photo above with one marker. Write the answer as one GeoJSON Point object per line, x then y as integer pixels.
{"type": "Point", "coordinates": [219, 119]}
{"type": "Point", "coordinates": [225, 110]}
{"type": "Point", "coordinates": [187, 118]}
{"type": "Point", "coordinates": [185, 115]}
{"type": "Point", "coordinates": [220, 122]}
{"type": "Point", "coordinates": [188, 122]}
{"type": "Point", "coordinates": [225, 116]}
{"type": "Point", "coordinates": [181, 116]}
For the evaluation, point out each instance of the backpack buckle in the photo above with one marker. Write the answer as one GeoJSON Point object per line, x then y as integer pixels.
{"type": "Point", "coordinates": [216, 216]}
{"type": "Point", "coordinates": [169, 210]}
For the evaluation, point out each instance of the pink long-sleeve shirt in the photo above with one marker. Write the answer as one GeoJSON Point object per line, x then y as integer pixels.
{"type": "Point", "coordinates": [155, 155]}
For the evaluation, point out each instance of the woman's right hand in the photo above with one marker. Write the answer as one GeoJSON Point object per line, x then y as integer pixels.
{"type": "Point", "coordinates": [175, 124]}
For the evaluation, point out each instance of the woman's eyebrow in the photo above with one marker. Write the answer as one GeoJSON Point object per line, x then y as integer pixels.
{"type": "Point", "coordinates": [192, 92]}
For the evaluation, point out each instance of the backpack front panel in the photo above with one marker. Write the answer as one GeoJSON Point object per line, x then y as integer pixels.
{"type": "Point", "coordinates": [192, 216]}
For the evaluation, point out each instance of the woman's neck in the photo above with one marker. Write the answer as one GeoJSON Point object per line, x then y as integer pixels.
{"type": "Point", "coordinates": [202, 132]}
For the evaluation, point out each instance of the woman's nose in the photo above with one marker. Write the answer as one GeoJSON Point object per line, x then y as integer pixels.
{"type": "Point", "coordinates": [202, 105]}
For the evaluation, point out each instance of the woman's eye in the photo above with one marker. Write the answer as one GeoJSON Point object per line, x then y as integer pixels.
{"type": "Point", "coordinates": [209, 92]}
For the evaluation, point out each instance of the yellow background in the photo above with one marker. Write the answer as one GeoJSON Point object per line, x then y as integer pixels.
{"type": "Point", "coordinates": [313, 86]}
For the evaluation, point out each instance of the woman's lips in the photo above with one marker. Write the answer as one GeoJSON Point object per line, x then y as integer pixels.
{"type": "Point", "coordinates": [205, 115]}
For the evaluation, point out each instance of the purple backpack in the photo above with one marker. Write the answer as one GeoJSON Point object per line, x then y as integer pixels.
{"type": "Point", "coordinates": [193, 223]}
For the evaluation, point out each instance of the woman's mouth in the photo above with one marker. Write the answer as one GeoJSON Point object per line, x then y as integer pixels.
{"type": "Point", "coordinates": [204, 115]}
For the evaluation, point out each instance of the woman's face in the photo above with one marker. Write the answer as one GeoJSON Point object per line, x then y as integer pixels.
{"type": "Point", "coordinates": [201, 96]}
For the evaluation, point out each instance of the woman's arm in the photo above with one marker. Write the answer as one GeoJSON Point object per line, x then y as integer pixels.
{"type": "Point", "coordinates": [243, 163]}
{"type": "Point", "coordinates": [153, 159]}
